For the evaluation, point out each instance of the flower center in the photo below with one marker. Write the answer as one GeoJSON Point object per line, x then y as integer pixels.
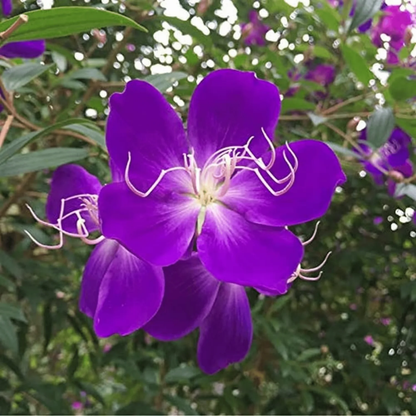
{"type": "Point", "coordinates": [212, 181]}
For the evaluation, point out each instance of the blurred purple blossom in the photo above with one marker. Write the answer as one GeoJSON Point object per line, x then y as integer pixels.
{"type": "Point", "coordinates": [77, 405]}
{"type": "Point", "coordinates": [23, 49]}
{"type": "Point", "coordinates": [369, 340]}
{"type": "Point", "coordinates": [385, 321]}
{"type": "Point", "coordinates": [254, 31]}
{"type": "Point", "coordinates": [394, 23]}
{"type": "Point", "coordinates": [377, 220]}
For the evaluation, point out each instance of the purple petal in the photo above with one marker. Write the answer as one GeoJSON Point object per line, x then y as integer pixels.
{"type": "Point", "coordinates": [237, 251]}
{"type": "Point", "coordinates": [95, 269]}
{"type": "Point", "coordinates": [227, 108]}
{"type": "Point", "coordinates": [226, 334]}
{"type": "Point", "coordinates": [142, 122]}
{"type": "Point", "coordinates": [190, 292]}
{"type": "Point", "coordinates": [319, 173]}
{"type": "Point", "coordinates": [321, 74]}
{"type": "Point", "coordinates": [71, 180]}
{"type": "Point", "coordinates": [6, 7]}
{"type": "Point", "coordinates": [25, 49]}
{"type": "Point", "coordinates": [126, 291]}
{"type": "Point", "coordinates": [158, 228]}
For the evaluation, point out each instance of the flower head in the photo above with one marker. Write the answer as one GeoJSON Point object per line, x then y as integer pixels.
{"type": "Point", "coordinates": [119, 291]}
{"type": "Point", "coordinates": [24, 49]}
{"type": "Point", "coordinates": [369, 340]}
{"type": "Point", "coordinates": [394, 23]}
{"type": "Point", "coordinates": [253, 32]}
{"type": "Point", "coordinates": [321, 74]}
{"type": "Point", "coordinates": [222, 190]}
{"type": "Point", "coordinates": [392, 158]}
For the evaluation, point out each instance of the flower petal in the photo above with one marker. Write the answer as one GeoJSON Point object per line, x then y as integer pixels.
{"type": "Point", "coordinates": [226, 334]}
{"type": "Point", "coordinates": [227, 108]}
{"type": "Point", "coordinates": [319, 173]}
{"type": "Point", "coordinates": [237, 251]}
{"type": "Point", "coordinates": [158, 228]}
{"type": "Point", "coordinates": [130, 292]}
{"type": "Point", "coordinates": [142, 122]}
{"type": "Point", "coordinates": [67, 181]}
{"type": "Point", "coordinates": [190, 292]}
{"type": "Point", "coordinates": [6, 7]}
{"type": "Point", "coordinates": [95, 269]}
{"type": "Point", "coordinates": [24, 49]}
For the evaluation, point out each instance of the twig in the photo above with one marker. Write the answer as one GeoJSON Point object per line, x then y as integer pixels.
{"type": "Point", "coordinates": [5, 129]}
{"type": "Point", "coordinates": [21, 20]}
{"type": "Point", "coordinates": [336, 107]}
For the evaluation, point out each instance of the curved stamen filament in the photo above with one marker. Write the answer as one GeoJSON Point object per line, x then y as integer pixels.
{"type": "Point", "coordinates": [305, 243]}
{"type": "Point", "coordinates": [162, 173]}
{"type": "Point", "coordinates": [300, 271]}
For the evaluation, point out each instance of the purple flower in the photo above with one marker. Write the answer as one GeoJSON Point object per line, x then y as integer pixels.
{"type": "Point", "coordinates": [385, 321]}
{"type": "Point", "coordinates": [24, 49]}
{"type": "Point", "coordinates": [220, 310]}
{"type": "Point", "coordinates": [77, 405]}
{"type": "Point", "coordinates": [369, 340]}
{"type": "Point", "coordinates": [377, 220]}
{"type": "Point", "coordinates": [254, 31]}
{"type": "Point", "coordinates": [321, 74]}
{"type": "Point", "coordinates": [119, 291]}
{"type": "Point", "coordinates": [393, 155]}
{"type": "Point", "coordinates": [6, 7]}
{"type": "Point", "coordinates": [394, 23]}
{"type": "Point", "coordinates": [221, 189]}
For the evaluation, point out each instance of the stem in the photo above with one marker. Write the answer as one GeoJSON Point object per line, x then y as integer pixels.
{"type": "Point", "coordinates": [5, 129]}
{"type": "Point", "coordinates": [21, 20]}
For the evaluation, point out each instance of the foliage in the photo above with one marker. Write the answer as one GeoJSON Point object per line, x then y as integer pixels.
{"type": "Point", "coordinates": [309, 354]}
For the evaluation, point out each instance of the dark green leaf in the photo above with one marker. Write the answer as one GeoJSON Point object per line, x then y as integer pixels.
{"type": "Point", "coordinates": [41, 159]}
{"type": "Point", "coordinates": [11, 265]}
{"type": "Point", "coordinates": [357, 64]}
{"type": "Point", "coordinates": [364, 10]}
{"type": "Point", "coordinates": [73, 365]}
{"type": "Point", "coordinates": [342, 150]}
{"type": "Point", "coordinates": [329, 18]}
{"type": "Point", "coordinates": [47, 325]}
{"type": "Point", "coordinates": [12, 312]}
{"type": "Point", "coordinates": [64, 21]}
{"type": "Point", "coordinates": [181, 374]}
{"type": "Point", "coordinates": [181, 404]}
{"type": "Point", "coordinates": [8, 336]}
{"type": "Point", "coordinates": [90, 132]}
{"type": "Point", "coordinates": [20, 75]}
{"type": "Point", "coordinates": [87, 73]}
{"type": "Point", "coordinates": [291, 104]}
{"type": "Point", "coordinates": [9, 150]}
{"type": "Point", "coordinates": [380, 125]}
{"type": "Point", "coordinates": [137, 408]}
{"type": "Point", "coordinates": [402, 89]}
{"type": "Point", "coordinates": [164, 81]}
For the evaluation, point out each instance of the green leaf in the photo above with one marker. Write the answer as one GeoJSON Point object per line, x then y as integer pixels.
{"type": "Point", "coordinates": [41, 159]}
{"type": "Point", "coordinates": [90, 132]}
{"type": "Point", "coordinates": [187, 28]}
{"type": "Point", "coordinates": [181, 404]}
{"type": "Point", "coordinates": [12, 148]}
{"type": "Point", "coordinates": [291, 104]}
{"type": "Point", "coordinates": [137, 408]}
{"type": "Point", "coordinates": [73, 365]}
{"type": "Point", "coordinates": [402, 89]}
{"type": "Point", "coordinates": [329, 18]}
{"type": "Point", "coordinates": [316, 118]}
{"type": "Point", "coordinates": [181, 374]}
{"type": "Point", "coordinates": [342, 150]}
{"type": "Point", "coordinates": [307, 354]}
{"type": "Point", "coordinates": [8, 336]}
{"type": "Point", "coordinates": [365, 10]}
{"type": "Point", "coordinates": [11, 265]}
{"type": "Point", "coordinates": [12, 312]}
{"type": "Point", "coordinates": [357, 64]}
{"type": "Point", "coordinates": [65, 21]}
{"type": "Point", "coordinates": [20, 75]}
{"type": "Point", "coordinates": [87, 73]}
{"type": "Point", "coordinates": [399, 73]}
{"type": "Point", "coordinates": [164, 81]}
{"type": "Point", "coordinates": [408, 125]}
{"type": "Point", "coordinates": [380, 125]}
